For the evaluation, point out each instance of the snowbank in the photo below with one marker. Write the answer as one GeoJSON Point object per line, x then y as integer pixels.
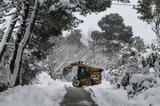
{"type": "Point", "coordinates": [105, 95]}
{"type": "Point", "coordinates": [43, 92]}
{"type": "Point", "coordinates": [139, 78]}
{"type": "Point", "coordinates": [150, 96]}
{"type": "Point", "coordinates": [47, 92]}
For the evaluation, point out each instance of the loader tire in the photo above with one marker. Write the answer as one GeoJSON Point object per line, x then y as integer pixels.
{"type": "Point", "coordinates": [76, 83]}
{"type": "Point", "coordinates": [88, 83]}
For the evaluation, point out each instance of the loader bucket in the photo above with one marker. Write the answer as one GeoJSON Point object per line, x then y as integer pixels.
{"type": "Point", "coordinates": [66, 71]}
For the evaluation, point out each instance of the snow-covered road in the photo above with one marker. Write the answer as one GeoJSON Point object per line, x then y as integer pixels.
{"type": "Point", "coordinates": [77, 97]}
{"type": "Point", "coordinates": [45, 91]}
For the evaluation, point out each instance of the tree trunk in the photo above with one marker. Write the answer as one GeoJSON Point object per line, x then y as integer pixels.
{"type": "Point", "coordinates": [7, 34]}
{"type": "Point", "coordinates": [156, 29]}
{"type": "Point", "coordinates": [22, 45]}
{"type": "Point", "coordinates": [20, 33]}
{"type": "Point", "coordinates": [158, 33]}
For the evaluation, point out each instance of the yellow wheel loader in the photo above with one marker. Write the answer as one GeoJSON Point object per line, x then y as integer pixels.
{"type": "Point", "coordinates": [86, 74]}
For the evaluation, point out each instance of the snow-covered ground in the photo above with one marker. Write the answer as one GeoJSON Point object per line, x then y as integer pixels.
{"type": "Point", "coordinates": [106, 95]}
{"type": "Point", "coordinates": [43, 92]}
{"type": "Point", "coordinates": [48, 92]}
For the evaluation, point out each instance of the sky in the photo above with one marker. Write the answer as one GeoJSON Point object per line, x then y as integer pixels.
{"type": "Point", "coordinates": [130, 16]}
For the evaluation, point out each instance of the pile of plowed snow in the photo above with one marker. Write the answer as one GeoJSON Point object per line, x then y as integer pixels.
{"type": "Point", "coordinates": [43, 92]}
{"type": "Point", "coordinates": [105, 95]}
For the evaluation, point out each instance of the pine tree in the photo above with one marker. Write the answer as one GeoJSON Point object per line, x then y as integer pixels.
{"type": "Point", "coordinates": [150, 12]}
{"type": "Point", "coordinates": [114, 29]}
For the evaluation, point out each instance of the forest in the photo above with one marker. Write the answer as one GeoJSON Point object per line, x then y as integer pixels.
{"type": "Point", "coordinates": [34, 52]}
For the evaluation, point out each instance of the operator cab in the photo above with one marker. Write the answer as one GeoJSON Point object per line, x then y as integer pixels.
{"type": "Point", "coordinates": [82, 72]}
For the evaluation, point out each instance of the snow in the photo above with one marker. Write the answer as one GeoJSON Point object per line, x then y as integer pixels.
{"type": "Point", "coordinates": [52, 8]}
{"type": "Point", "coordinates": [147, 53]}
{"type": "Point", "coordinates": [60, 4]}
{"type": "Point", "coordinates": [134, 49]}
{"type": "Point", "coordinates": [150, 96]}
{"type": "Point", "coordinates": [106, 95]}
{"type": "Point", "coordinates": [66, 3]}
{"type": "Point", "coordinates": [44, 92]}
{"type": "Point", "coordinates": [7, 25]}
{"type": "Point", "coordinates": [41, 2]}
{"type": "Point", "coordinates": [7, 19]}
{"type": "Point", "coordinates": [139, 78]}
{"type": "Point", "coordinates": [152, 70]}
{"type": "Point", "coordinates": [84, 103]}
